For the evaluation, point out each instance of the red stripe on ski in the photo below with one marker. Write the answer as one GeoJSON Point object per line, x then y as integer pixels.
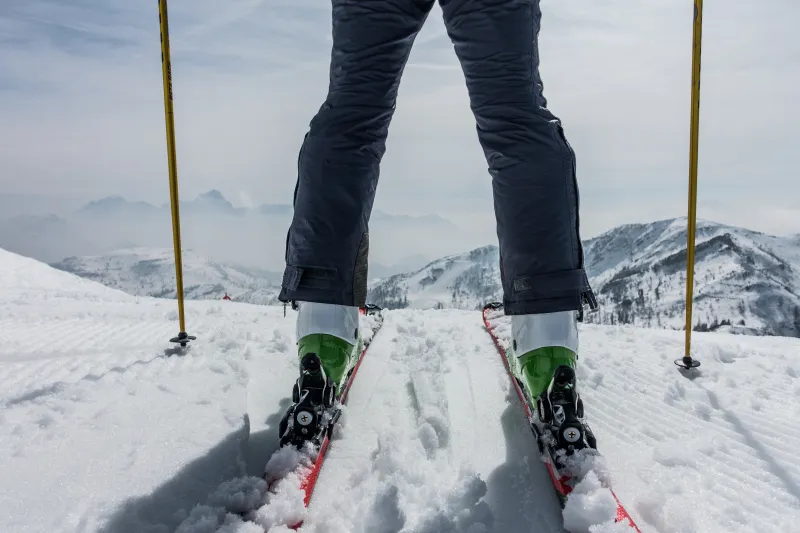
{"type": "Point", "coordinates": [558, 483]}
{"type": "Point", "coordinates": [310, 481]}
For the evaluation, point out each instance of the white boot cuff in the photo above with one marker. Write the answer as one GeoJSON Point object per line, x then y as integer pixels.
{"type": "Point", "coordinates": [337, 320]}
{"type": "Point", "coordinates": [547, 329]}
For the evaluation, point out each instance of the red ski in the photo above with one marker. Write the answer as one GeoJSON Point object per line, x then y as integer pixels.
{"type": "Point", "coordinates": [561, 483]}
{"type": "Point", "coordinates": [309, 479]}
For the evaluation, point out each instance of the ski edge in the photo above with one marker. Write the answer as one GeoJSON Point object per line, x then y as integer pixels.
{"type": "Point", "coordinates": [309, 483]}
{"type": "Point", "coordinates": [558, 484]}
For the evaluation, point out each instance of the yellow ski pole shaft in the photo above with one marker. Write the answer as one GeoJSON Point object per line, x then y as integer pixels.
{"type": "Point", "coordinates": [697, 37]}
{"type": "Point", "coordinates": [166, 68]}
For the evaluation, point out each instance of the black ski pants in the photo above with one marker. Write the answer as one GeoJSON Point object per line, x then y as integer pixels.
{"type": "Point", "coordinates": [531, 164]}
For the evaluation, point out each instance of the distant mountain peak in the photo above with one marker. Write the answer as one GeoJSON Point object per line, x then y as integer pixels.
{"type": "Point", "coordinates": [212, 200]}
{"type": "Point", "coordinates": [115, 204]}
{"type": "Point", "coordinates": [105, 202]}
{"type": "Point", "coordinates": [213, 194]}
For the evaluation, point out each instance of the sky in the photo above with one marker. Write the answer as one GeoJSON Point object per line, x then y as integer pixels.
{"type": "Point", "coordinates": [81, 107]}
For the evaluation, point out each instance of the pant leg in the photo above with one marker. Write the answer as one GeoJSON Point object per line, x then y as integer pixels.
{"type": "Point", "coordinates": [531, 164]}
{"type": "Point", "coordinates": [338, 167]}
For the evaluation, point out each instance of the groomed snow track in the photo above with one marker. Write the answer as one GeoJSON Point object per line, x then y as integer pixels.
{"type": "Point", "coordinates": [102, 429]}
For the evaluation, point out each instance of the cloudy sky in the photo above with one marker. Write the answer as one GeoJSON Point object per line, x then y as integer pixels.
{"type": "Point", "coordinates": [81, 107]}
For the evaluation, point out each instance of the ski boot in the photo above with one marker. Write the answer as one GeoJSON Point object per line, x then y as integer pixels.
{"type": "Point", "coordinates": [313, 395]}
{"type": "Point", "coordinates": [560, 412]}
{"type": "Point", "coordinates": [325, 363]}
{"type": "Point", "coordinates": [547, 375]}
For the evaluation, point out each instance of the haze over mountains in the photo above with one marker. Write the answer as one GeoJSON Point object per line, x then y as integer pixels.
{"type": "Point", "coordinates": [51, 229]}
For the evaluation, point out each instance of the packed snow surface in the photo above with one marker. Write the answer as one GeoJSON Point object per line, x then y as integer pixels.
{"type": "Point", "coordinates": [107, 427]}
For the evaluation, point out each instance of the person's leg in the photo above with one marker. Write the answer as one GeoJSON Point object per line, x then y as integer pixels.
{"type": "Point", "coordinates": [535, 193]}
{"type": "Point", "coordinates": [531, 164]}
{"type": "Point", "coordinates": [338, 167]}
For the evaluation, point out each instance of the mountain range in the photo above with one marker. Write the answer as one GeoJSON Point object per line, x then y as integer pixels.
{"type": "Point", "coordinates": [215, 202]}
{"type": "Point", "coordinates": [211, 201]}
{"type": "Point", "coordinates": [745, 281]}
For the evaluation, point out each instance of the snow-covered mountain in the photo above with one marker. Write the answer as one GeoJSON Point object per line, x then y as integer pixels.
{"type": "Point", "coordinates": [745, 281]}
{"type": "Point", "coordinates": [151, 272]}
{"type": "Point", "coordinates": [463, 281]}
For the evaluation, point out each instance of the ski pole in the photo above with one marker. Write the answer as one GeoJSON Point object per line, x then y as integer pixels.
{"type": "Point", "coordinates": [697, 37]}
{"type": "Point", "coordinates": [166, 69]}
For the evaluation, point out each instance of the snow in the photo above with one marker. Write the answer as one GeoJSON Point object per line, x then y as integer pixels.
{"type": "Point", "coordinates": [590, 506]}
{"type": "Point", "coordinates": [106, 427]}
{"type": "Point", "coordinates": [102, 428]}
{"type": "Point", "coordinates": [151, 272]}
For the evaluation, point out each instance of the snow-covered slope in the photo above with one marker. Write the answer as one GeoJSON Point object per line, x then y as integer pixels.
{"type": "Point", "coordinates": [104, 428]}
{"type": "Point", "coordinates": [745, 281]}
{"type": "Point", "coordinates": [464, 281]}
{"type": "Point", "coordinates": [151, 272]}
{"type": "Point", "coordinates": [100, 428]}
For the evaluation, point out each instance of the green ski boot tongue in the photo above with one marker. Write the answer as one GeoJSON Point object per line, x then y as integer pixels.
{"type": "Point", "coordinates": [538, 366]}
{"type": "Point", "coordinates": [335, 354]}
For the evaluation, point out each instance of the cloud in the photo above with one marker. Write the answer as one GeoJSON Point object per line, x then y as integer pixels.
{"type": "Point", "coordinates": [82, 107]}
